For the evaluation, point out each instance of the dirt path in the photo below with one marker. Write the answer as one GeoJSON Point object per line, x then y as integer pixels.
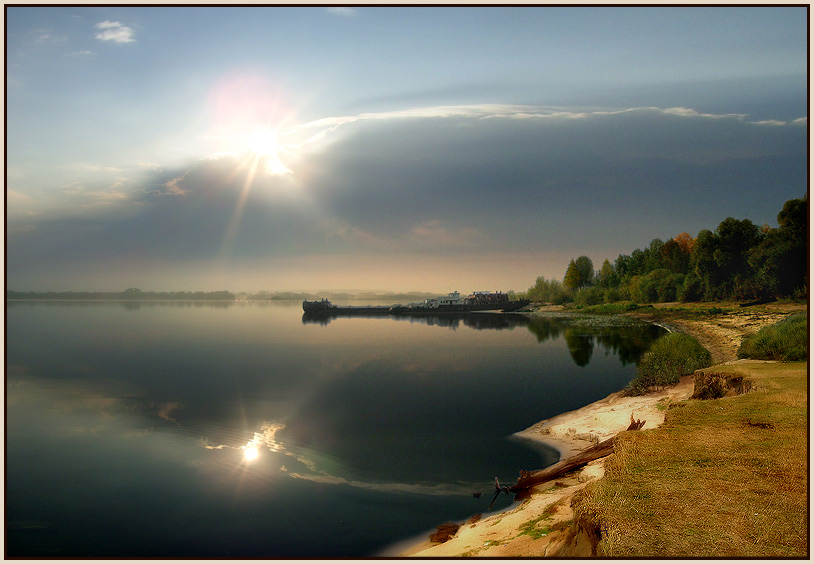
{"type": "Point", "coordinates": [721, 334]}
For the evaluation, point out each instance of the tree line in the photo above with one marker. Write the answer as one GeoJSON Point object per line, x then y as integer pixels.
{"type": "Point", "coordinates": [738, 261]}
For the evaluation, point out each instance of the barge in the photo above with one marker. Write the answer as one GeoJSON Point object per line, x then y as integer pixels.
{"type": "Point", "coordinates": [325, 307]}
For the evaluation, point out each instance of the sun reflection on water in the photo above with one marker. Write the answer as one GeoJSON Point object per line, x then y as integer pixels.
{"type": "Point", "coordinates": [266, 440]}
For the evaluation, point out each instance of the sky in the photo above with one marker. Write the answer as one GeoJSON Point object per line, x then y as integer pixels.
{"type": "Point", "coordinates": [387, 148]}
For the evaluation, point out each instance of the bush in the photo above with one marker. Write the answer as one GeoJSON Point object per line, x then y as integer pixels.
{"type": "Point", "coordinates": [785, 340]}
{"type": "Point", "coordinates": [671, 357]}
{"type": "Point", "coordinates": [589, 296]}
{"type": "Point", "coordinates": [613, 295]}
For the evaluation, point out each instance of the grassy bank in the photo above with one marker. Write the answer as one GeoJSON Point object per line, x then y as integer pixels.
{"type": "Point", "coordinates": [786, 340]}
{"type": "Point", "coordinates": [725, 477]}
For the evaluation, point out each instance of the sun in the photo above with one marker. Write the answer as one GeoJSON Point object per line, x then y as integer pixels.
{"type": "Point", "coordinates": [264, 142]}
{"type": "Point", "coordinates": [251, 453]}
{"type": "Point", "coordinates": [265, 145]}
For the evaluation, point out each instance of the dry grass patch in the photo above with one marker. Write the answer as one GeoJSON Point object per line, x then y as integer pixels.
{"type": "Point", "coordinates": [725, 478]}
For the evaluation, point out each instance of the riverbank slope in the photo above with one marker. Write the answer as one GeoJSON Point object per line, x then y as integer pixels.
{"type": "Point", "coordinates": [545, 524]}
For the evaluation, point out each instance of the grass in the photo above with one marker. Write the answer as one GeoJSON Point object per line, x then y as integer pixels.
{"type": "Point", "coordinates": [672, 356]}
{"type": "Point", "coordinates": [531, 527]}
{"type": "Point", "coordinates": [611, 308]}
{"type": "Point", "coordinates": [786, 340]}
{"type": "Point", "coordinates": [720, 478]}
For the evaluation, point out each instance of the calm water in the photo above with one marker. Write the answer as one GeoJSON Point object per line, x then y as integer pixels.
{"type": "Point", "coordinates": [128, 425]}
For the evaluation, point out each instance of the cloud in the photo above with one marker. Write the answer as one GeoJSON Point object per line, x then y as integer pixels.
{"type": "Point", "coordinates": [343, 231]}
{"type": "Point", "coordinates": [165, 409]}
{"type": "Point", "coordinates": [434, 232]}
{"type": "Point", "coordinates": [173, 187]}
{"type": "Point", "coordinates": [85, 198]}
{"type": "Point", "coordinates": [115, 31]}
{"type": "Point", "coordinates": [444, 181]}
{"type": "Point", "coordinates": [514, 111]}
{"type": "Point", "coordinates": [15, 197]}
{"type": "Point", "coordinates": [46, 36]}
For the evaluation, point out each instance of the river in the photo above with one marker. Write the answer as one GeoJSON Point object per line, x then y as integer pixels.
{"type": "Point", "coordinates": [218, 429]}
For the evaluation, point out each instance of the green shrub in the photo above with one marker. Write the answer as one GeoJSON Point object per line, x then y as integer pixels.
{"type": "Point", "coordinates": [589, 296]}
{"type": "Point", "coordinates": [613, 295]}
{"type": "Point", "coordinates": [668, 359]}
{"type": "Point", "coordinates": [785, 340]}
{"type": "Point", "coordinates": [605, 309]}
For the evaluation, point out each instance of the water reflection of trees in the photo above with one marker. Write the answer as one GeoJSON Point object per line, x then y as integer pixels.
{"type": "Point", "coordinates": [450, 321]}
{"type": "Point", "coordinates": [580, 345]}
{"type": "Point", "coordinates": [623, 338]}
{"type": "Point", "coordinates": [628, 341]}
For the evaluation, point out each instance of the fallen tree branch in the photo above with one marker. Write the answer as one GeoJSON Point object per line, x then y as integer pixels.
{"type": "Point", "coordinates": [530, 479]}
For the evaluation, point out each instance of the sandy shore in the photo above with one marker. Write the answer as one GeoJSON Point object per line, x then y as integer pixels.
{"type": "Point", "coordinates": [502, 534]}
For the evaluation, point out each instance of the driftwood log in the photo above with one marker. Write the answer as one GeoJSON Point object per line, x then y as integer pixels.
{"type": "Point", "coordinates": [530, 479]}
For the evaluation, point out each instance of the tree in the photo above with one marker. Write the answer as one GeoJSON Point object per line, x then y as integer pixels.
{"type": "Point", "coordinates": [674, 257]}
{"type": "Point", "coordinates": [580, 273]}
{"type": "Point", "coordinates": [132, 294]}
{"type": "Point", "coordinates": [735, 239]}
{"type": "Point", "coordinates": [653, 256]}
{"type": "Point", "coordinates": [658, 286]}
{"type": "Point", "coordinates": [607, 275]}
{"type": "Point", "coordinates": [623, 266]}
{"type": "Point", "coordinates": [780, 260]}
{"type": "Point", "coordinates": [793, 218]}
{"type": "Point", "coordinates": [703, 264]}
{"type": "Point", "coordinates": [585, 269]}
{"type": "Point", "coordinates": [692, 290]}
{"type": "Point", "coordinates": [546, 291]}
{"type": "Point", "coordinates": [685, 241]}
{"type": "Point", "coordinates": [637, 261]}
{"type": "Point", "coordinates": [571, 279]}
{"type": "Point", "coordinates": [739, 260]}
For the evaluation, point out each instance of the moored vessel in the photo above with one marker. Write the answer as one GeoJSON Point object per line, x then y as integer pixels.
{"type": "Point", "coordinates": [318, 306]}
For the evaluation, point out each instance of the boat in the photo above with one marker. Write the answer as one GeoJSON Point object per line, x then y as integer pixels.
{"type": "Point", "coordinates": [451, 303]}
{"type": "Point", "coordinates": [325, 307]}
{"type": "Point", "coordinates": [494, 301]}
{"type": "Point", "coordinates": [318, 306]}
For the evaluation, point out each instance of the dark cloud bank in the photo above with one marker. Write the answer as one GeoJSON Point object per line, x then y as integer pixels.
{"type": "Point", "coordinates": [578, 181]}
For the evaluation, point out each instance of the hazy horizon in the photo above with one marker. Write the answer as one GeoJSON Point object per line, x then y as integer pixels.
{"type": "Point", "coordinates": [389, 149]}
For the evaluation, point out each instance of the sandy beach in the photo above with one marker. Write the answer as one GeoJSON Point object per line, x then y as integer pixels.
{"type": "Point", "coordinates": [570, 433]}
{"type": "Point", "coordinates": [548, 508]}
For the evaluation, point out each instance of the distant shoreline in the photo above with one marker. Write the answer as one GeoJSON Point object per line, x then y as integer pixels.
{"type": "Point", "coordinates": [135, 294]}
{"type": "Point", "coordinates": [118, 300]}
{"type": "Point", "coordinates": [131, 294]}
